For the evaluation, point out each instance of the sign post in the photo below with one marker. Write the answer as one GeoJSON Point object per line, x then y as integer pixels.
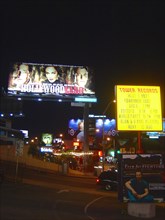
{"type": "Point", "coordinates": [86, 133]}
{"type": "Point", "coordinates": [18, 152]}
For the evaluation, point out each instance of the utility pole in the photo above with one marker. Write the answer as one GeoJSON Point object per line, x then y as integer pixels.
{"type": "Point", "coordinates": [103, 134]}
{"type": "Point", "coordinates": [86, 132]}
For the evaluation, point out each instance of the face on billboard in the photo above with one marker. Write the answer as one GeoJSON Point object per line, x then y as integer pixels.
{"type": "Point", "coordinates": [51, 74]}
{"type": "Point", "coordinates": [35, 80]}
{"type": "Point", "coordinates": [81, 77]}
{"type": "Point", "coordinates": [23, 73]}
{"type": "Point", "coordinates": [47, 139]}
{"type": "Point", "coordinates": [20, 76]}
{"type": "Point", "coordinates": [81, 125]}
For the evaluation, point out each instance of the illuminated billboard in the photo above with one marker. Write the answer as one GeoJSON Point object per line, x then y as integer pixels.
{"type": "Point", "coordinates": [50, 81]}
{"type": "Point", "coordinates": [47, 139]}
{"type": "Point", "coordinates": [138, 108]}
{"type": "Point", "coordinates": [76, 129]}
{"type": "Point", "coordinates": [109, 127]}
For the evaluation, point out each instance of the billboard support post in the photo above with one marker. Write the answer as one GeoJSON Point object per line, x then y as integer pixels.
{"type": "Point", "coordinates": [16, 169]}
{"type": "Point", "coordinates": [139, 150]}
{"type": "Point", "coordinates": [103, 145]}
{"type": "Point", "coordinates": [86, 132]}
{"type": "Point", "coordinates": [103, 133]}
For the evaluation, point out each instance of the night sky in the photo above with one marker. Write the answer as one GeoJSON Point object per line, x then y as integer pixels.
{"type": "Point", "coordinates": [122, 41]}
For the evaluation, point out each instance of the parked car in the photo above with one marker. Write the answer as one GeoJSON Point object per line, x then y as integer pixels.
{"type": "Point", "coordinates": [108, 180]}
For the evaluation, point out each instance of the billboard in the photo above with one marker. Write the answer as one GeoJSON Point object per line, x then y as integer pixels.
{"type": "Point", "coordinates": [109, 127]}
{"type": "Point", "coordinates": [142, 177]}
{"type": "Point", "coordinates": [50, 81]}
{"type": "Point", "coordinates": [47, 139]}
{"type": "Point", "coordinates": [76, 129]}
{"type": "Point", "coordinates": [138, 108]}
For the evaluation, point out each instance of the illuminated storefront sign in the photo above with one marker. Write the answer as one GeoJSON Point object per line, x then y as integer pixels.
{"type": "Point", "coordinates": [138, 108]}
{"type": "Point", "coordinates": [76, 144]}
{"type": "Point", "coordinates": [46, 150]}
{"type": "Point", "coordinates": [51, 81]}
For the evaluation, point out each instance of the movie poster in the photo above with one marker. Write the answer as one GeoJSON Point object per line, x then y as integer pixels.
{"type": "Point", "coordinates": [49, 80]}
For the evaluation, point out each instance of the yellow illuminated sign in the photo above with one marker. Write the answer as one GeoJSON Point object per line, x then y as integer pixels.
{"type": "Point", "coordinates": [138, 108]}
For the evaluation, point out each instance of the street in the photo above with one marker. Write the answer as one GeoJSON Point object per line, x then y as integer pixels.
{"type": "Point", "coordinates": [76, 198]}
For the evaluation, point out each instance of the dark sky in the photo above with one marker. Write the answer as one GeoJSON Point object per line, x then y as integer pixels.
{"type": "Point", "coordinates": [123, 41]}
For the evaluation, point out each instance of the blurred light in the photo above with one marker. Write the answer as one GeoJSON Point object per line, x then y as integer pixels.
{"type": "Point", "coordinates": [76, 143]}
{"type": "Point", "coordinates": [83, 99]}
{"type": "Point", "coordinates": [46, 149]}
{"type": "Point", "coordinates": [2, 115]}
{"type": "Point", "coordinates": [112, 153]}
{"type": "Point", "coordinates": [60, 100]}
{"type": "Point", "coordinates": [97, 116]}
{"type": "Point", "coordinates": [39, 100]}
{"type": "Point", "coordinates": [100, 153]}
{"type": "Point", "coordinates": [73, 153]}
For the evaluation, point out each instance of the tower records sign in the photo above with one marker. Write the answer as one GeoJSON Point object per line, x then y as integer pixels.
{"type": "Point", "coordinates": [138, 108]}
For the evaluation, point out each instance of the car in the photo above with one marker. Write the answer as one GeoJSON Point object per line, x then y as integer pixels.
{"type": "Point", "coordinates": [108, 180]}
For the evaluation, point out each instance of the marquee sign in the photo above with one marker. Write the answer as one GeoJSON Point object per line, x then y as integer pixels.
{"type": "Point", "coordinates": [138, 108]}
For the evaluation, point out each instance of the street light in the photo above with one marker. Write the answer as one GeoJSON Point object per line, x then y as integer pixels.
{"type": "Point", "coordinates": [61, 135]}
{"type": "Point", "coordinates": [103, 133]}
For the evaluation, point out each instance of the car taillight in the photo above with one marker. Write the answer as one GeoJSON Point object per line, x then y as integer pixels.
{"type": "Point", "coordinates": [97, 180]}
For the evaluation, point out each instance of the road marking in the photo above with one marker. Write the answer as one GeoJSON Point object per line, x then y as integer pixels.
{"type": "Point", "coordinates": [90, 203]}
{"type": "Point", "coordinates": [63, 190]}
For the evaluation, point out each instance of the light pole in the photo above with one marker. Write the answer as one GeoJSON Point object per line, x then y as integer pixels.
{"type": "Point", "coordinates": [103, 133]}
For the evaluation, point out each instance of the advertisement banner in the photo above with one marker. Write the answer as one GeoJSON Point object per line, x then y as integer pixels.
{"type": "Point", "coordinates": [50, 81]}
{"type": "Point", "coordinates": [142, 177]}
{"type": "Point", "coordinates": [47, 139]}
{"type": "Point", "coordinates": [109, 127]}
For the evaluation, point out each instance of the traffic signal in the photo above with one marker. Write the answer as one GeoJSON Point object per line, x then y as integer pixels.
{"type": "Point", "coordinates": [117, 152]}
